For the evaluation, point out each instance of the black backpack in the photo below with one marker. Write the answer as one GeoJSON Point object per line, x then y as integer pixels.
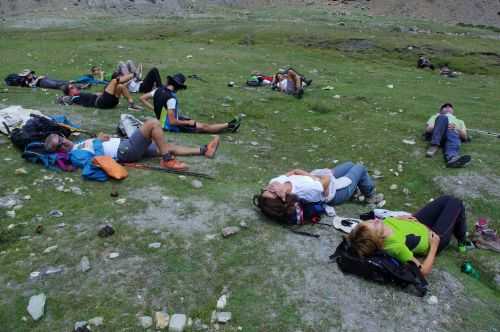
{"type": "Point", "coordinates": [36, 129]}
{"type": "Point", "coordinates": [380, 267]}
{"type": "Point", "coordinates": [13, 80]}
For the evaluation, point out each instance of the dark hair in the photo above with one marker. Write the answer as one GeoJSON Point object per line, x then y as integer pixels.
{"type": "Point", "coordinates": [93, 68]}
{"type": "Point", "coordinates": [445, 105]}
{"type": "Point", "coordinates": [365, 241]}
{"type": "Point", "coordinates": [65, 89]}
{"type": "Point", "coordinates": [275, 208]}
{"type": "Point", "coordinates": [115, 75]}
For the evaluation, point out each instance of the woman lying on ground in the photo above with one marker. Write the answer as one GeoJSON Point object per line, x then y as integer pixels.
{"type": "Point", "coordinates": [332, 186]}
{"type": "Point", "coordinates": [424, 233]}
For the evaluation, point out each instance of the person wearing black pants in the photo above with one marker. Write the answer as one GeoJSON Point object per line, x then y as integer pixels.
{"type": "Point", "coordinates": [446, 217]}
{"type": "Point", "coordinates": [151, 81]}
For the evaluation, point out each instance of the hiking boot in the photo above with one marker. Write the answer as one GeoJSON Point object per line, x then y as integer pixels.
{"type": "Point", "coordinates": [308, 82]}
{"type": "Point", "coordinates": [431, 152]}
{"type": "Point", "coordinates": [458, 161]}
{"type": "Point", "coordinates": [234, 124]}
{"type": "Point", "coordinates": [211, 147]}
{"type": "Point", "coordinates": [375, 199]}
{"type": "Point", "coordinates": [487, 239]}
{"type": "Point", "coordinates": [133, 107]}
{"type": "Point", "coordinates": [173, 164]}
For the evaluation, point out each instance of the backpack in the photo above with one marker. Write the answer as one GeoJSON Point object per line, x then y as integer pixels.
{"type": "Point", "coordinates": [36, 129]}
{"type": "Point", "coordinates": [380, 267]}
{"type": "Point", "coordinates": [13, 80]}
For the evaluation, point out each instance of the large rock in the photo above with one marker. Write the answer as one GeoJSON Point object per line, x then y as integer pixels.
{"type": "Point", "coordinates": [145, 321]}
{"type": "Point", "coordinates": [177, 323]}
{"type": "Point", "coordinates": [85, 264]}
{"type": "Point", "coordinates": [36, 306]}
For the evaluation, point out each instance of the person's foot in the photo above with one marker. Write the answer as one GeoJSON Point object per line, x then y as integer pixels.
{"type": "Point", "coordinates": [431, 152]}
{"type": "Point", "coordinates": [458, 161]}
{"type": "Point", "coordinates": [211, 147]}
{"type": "Point", "coordinates": [133, 107]}
{"type": "Point", "coordinates": [234, 124]}
{"type": "Point", "coordinates": [375, 198]}
{"type": "Point", "coordinates": [308, 82]}
{"type": "Point", "coordinates": [173, 164]}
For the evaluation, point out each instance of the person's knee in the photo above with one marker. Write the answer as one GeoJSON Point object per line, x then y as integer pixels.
{"type": "Point", "coordinates": [441, 118]}
{"type": "Point", "coordinates": [348, 164]}
{"type": "Point", "coordinates": [153, 123]}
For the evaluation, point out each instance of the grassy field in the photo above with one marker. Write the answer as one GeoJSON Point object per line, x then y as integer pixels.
{"type": "Point", "coordinates": [277, 281]}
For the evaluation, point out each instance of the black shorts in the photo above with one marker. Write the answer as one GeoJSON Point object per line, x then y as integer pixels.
{"type": "Point", "coordinates": [106, 100]}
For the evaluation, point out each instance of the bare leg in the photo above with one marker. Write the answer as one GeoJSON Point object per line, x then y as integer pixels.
{"type": "Point", "coordinates": [292, 75]}
{"type": "Point", "coordinates": [152, 130]}
{"type": "Point", "coordinates": [211, 128]}
{"type": "Point", "coordinates": [122, 91]}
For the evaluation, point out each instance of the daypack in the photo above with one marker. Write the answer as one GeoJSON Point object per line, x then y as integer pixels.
{"type": "Point", "coordinates": [35, 152]}
{"type": "Point", "coordinates": [36, 129]}
{"type": "Point", "coordinates": [13, 80]}
{"type": "Point", "coordinates": [380, 267]}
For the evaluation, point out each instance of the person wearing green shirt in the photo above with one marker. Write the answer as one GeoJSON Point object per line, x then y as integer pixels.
{"type": "Point", "coordinates": [423, 234]}
{"type": "Point", "coordinates": [445, 130]}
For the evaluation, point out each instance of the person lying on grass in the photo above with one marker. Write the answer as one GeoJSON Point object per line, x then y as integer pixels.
{"type": "Point", "coordinates": [445, 130]}
{"type": "Point", "coordinates": [166, 108]}
{"type": "Point", "coordinates": [109, 98]}
{"type": "Point", "coordinates": [424, 233]}
{"type": "Point", "coordinates": [28, 79]}
{"type": "Point", "coordinates": [290, 82]}
{"type": "Point", "coordinates": [332, 186]}
{"type": "Point", "coordinates": [95, 77]}
{"type": "Point", "coordinates": [147, 141]}
{"type": "Point", "coordinates": [137, 84]}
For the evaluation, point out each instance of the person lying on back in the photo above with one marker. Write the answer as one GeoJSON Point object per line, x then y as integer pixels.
{"type": "Point", "coordinates": [290, 82]}
{"type": "Point", "coordinates": [166, 108]}
{"type": "Point", "coordinates": [147, 141]}
{"type": "Point", "coordinates": [109, 98]}
{"type": "Point", "coordinates": [28, 79]}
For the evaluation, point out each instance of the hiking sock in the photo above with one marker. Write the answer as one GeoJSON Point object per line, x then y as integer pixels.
{"type": "Point", "coordinates": [203, 150]}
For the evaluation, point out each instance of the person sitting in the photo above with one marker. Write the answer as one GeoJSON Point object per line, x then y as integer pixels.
{"type": "Point", "coordinates": [331, 186]}
{"type": "Point", "coordinates": [448, 72]}
{"type": "Point", "coordinates": [290, 82]}
{"type": "Point", "coordinates": [146, 141]}
{"type": "Point", "coordinates": [109, 98]}
{"type": "Point", "coordinates": [446, 130]}
{"type": "Point", "coordinates": [424, 62]}
{"type": "Point", "coordinates": [424, 233]}
{"type": "Point", "coordinates": [151, 81]}
{"type": "Point", "coordinates": [95, 77]}
{"type": "Point", "coordinates": [166, 108]}
{"type": "Point", "coordinates": [28, 79]}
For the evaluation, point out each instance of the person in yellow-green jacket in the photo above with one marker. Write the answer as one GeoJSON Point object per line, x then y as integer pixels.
{"type": "Point", "coordinates": [445, 130]}
{"type": "Point", "coordinates": [423, 234]}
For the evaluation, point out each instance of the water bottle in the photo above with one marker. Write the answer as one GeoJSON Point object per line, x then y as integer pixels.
{"type": "Point", "coordinates": [469, 269]}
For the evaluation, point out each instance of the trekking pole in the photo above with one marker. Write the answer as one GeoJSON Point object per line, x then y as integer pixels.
{"type": "Point", "coordinates": [484, 132]}
{"type": "Point", "coordinates": [166, 170]}
{"type": "Point", "coordinates": [196, 77]}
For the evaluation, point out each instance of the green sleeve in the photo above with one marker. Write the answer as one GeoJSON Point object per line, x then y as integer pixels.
{"type": "Point", "coordinates": [432, 120]}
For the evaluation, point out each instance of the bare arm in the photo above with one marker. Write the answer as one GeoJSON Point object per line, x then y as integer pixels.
{"type": "Point", "coordinates": [175, 122]}
{"type": "Point", "coordinates": [125, 78]}
{"type": "Point", "coordinates": [426, 266]}
{"type": "Point", "coordinates": [145, 100]}
{"type": "Point", "coordinates": [298, 172]}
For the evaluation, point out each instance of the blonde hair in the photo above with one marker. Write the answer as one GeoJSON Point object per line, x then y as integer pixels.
{"type": "Point", "coordinates": [365, 241]}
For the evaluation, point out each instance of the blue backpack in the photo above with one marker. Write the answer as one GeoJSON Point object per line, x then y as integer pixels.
{"type": "Point", "coordinates": [35, 152]}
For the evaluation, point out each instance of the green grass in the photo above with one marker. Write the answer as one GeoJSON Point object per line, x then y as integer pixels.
{"type": "Point", "coordinates": [367, 124]}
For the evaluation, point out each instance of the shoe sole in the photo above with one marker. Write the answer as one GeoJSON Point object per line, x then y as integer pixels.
{"type": "Point", "coordinates": [461, 162]}
{"type": "Point", "coordinates": [211, 155]}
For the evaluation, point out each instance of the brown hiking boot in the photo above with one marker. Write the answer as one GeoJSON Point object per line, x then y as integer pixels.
{"type": "Point", "coordinates": [212, 147]}
{"type": "Point", "coordinates": [431, 152]}
{"type": "Point", "coordinates": [173, 164]}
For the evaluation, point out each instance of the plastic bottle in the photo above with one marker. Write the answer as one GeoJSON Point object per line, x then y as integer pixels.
{"type": "Point", "coordinates": [469, 269]}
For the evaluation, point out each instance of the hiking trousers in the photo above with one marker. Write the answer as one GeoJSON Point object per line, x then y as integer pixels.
{"type": "Point", "coordinates": [446, 217]}
{"type": "Point", "coordinates": [447, 138]}
{"type": "Point", "coordinates": [151, 81]}
{"type": "Point", "coordinates": [359, 177]}
{"type": "Point", "coordinates": [48, 83]}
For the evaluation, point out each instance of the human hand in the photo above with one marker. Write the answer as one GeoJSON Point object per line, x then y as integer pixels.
{"type": "Point", "coordinates": [103, 137]}
{"type": "Point", "coordinates": [434, 239]}
{"type": "Point", "coordinates": [408, 217]}
{"type": "Point", "coordinates": [451, 126]}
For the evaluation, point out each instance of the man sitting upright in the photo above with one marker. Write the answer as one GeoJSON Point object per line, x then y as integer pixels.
{"type": "Point", "coordinates": [446, 130]}
{"type": "Point", "coordinates": [166, 108]}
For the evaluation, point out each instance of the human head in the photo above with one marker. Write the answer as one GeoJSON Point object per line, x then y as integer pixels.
{"type": "Point", "coordinates": [70, 90]}
{"type": "Point", "coordinates": [446, 108]}
{"type": "Point", "coordinates": [95, 70]}
{"type": "Point", "coordinates": [275, 190]}
{"type": "Point", "coordinates": [58, 143]}
{"type": "Point", "coordinates": [177, 81]}
{"type": "Point", "coordinates": [27, 73]}
{"type": "Point", "coordinates": [275, 207]}
{"type": "Point", "coordinates": [367, 237]}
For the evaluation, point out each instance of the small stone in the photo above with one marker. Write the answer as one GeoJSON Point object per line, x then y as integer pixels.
{"type": "Point", "coordinates": [36, 306]}
{"type": "Point", "coordinates": [60, 188]}
{"type": "Point", "coordinates": [106, 231]}
{"type": "Point", "coordinates": [409, 141]}
{"type": "Point", "coordinates": [121, 201]}
{"type": "Point", "coordinates": [146, 321]}
{"type": "Point", "coordinates": [61, 225]}
{"type": "Point", "coordinates": [21, 171]}
{"type": "Point", "coordinates": [223, 317]}
{"type": "Point", "coordinates": [210, 237]}
{"type": "Point", "coordinates": [113, 255]}
{"type": "Point", "coordinates": [34, 274]}
{"type": "Point", "coordinates": [84, 264]}
{"type": "Point", "coordinates": [81, 326]}
{"type": "Point", "coordinates": [50, 249]}
{"type": "Point", "coordinates": [197, 184]}
{"type": "Point", "coordinates": [381, 204]}
{"type": "Point", "coordinates": [182, 177]}
{"type": "Point", "coordinates": [11, 214]}
{"type": "Point", "coordinates": [221, 302]}
{"type": "Point", "coordinates": [56, 213]}
{"type": "Point", "coordinates": [96, 321]}
{"type": "Point", "coordinates": [76, 191]}
{"type": "Point", "coordinates": [53, 270]}
{"type": "Point", "coordinates": [336, 96]}
{"type": "Point", "coordinates": [393, 187]}
{"type": "Point", "coordinates": [228, 231]}
{"type": "Point", "coordinates": [27, 197]}
{"type": "Point", "coordinates": [243, 224]}
{"type": "Point", "coordinates": [161, 319]}
{"type": "Point", "coordinates": [390, 86]}
{"type": "Point", "coordinates": [254, 143]}
{"type": "Point", "coordinates": [154, 245]}
{"type": "Point", "coordinates": [432, 300]}
{"type": "Point", "coordinates": [177, 323]}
